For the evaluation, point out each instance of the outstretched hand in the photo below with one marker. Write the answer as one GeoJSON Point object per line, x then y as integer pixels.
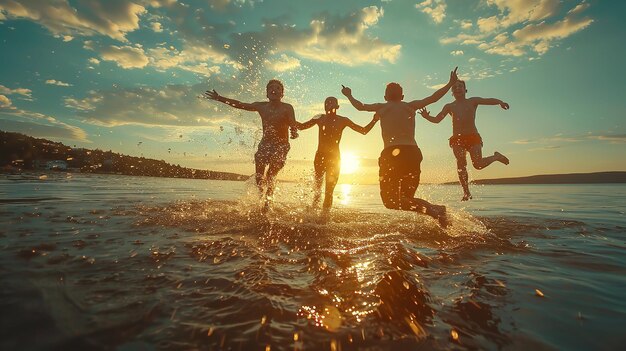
{"type": "Point", "coordinates": [453, 76]}
{"type": "Point", "coordinates": [504, 105]}
{"type": "Point", "coordinates": [211, 94]}
{"type": "Point", "coordinates": [346, 91]}
{"type": "Point", "coordinates": [424, 112]}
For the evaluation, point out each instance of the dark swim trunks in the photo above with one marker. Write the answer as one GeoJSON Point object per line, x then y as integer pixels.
{"type": "Point", "coordinates": [467, 141]}
{"type": "Point", "coordinates": [271, 152]}
{"type": "Point", "coordinates": [399, 173]}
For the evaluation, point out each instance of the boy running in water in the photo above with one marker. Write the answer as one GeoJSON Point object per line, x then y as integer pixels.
{"type": "Point", "coordinates": [277, 118]}
{"type": "Point", "coordinates": [327, 157]}
{"type": "Point", "coordinates": [465, 137]}
{"type": "Point", "coordinates": [399, 162]}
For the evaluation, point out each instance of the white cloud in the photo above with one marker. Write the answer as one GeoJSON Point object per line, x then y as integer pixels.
{"type": "Point", "coordinates": [94, 61]}
{"type": "Point", "coordinates": [522, 27]}
{"type": "Point", "coordinates": [5, 102]}
{"type": "Point", "coordinates": [27, 93]}
{"type": "Point", "coordinates": [110, 18]}
{"type": "Point", "coordinates": [457, 52]}
{"type": "Point", "coordinates": [436, 9]}
{"type": "Point", "coordinates": [57, 82]}
{"type": "Point", "coordinates": [282, 63]}
{"type": "Point", "coordinates": [156, 26]}
{"type": "Point", "coordinates": [338, 39]}
{"type": "Point", "coordinates": [126, 57]}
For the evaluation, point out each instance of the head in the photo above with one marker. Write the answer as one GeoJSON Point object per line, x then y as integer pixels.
{"type": "Point", "coordinates": [459, 89]}
{"type": "Point", "coordinates": [393, 92]}
{"type": "Point", "coordinates": [275, 90]}
{"type": "Point", "coordinates": [331, 104]}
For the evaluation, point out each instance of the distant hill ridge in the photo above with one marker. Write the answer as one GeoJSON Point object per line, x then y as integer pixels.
{"type": "Point", "coordinates": [569, 178]}
{"type": "Point", "coordinates": [19, 151]}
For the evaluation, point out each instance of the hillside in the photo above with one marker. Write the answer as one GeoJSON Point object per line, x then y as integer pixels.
{"type": "Point", "coordinates": [22, 152]}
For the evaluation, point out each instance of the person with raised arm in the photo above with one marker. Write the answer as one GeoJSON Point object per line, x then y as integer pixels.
{"type": "Point", "coordinates": [399, 162]}
{"type": "Point", "coordinates": [465, 137]}
{"type": "Point", "coordinates": [327, 163]}
{"type": "Point", "coordinates": [277, 119]}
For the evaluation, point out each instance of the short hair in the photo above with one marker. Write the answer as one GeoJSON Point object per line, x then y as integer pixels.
{"type": "Point", "coordinates": [330, 98]}
{"type": "Point", "coordinates": [462, 82]}
{"type": "Point", "coordinates": [393, 92]}
{"type": "Point", "coordinates": [275, 81]}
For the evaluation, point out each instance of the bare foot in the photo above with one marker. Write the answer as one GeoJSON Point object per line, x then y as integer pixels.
{"type": "Point", "coordinates": [466, 197]}
{"type": "Point", "coordinates": [501, 158]}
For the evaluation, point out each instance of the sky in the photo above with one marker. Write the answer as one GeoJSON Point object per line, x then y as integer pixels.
{"type": "Point", "coordinates": [127, 76]}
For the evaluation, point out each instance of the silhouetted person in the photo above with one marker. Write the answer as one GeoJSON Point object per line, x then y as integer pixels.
{"type": "Point", "coordinates": [399, 162]}
{"type": "Point", "coordinates": [276, 118]}
{"type": "Point", "coordinates": [328, 158]}
{"type": "Point", "coordinates": [465, 137]}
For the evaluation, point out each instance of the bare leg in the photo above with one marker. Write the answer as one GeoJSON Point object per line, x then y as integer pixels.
{"type": "Point", "coordinates": [317, 186]}
{"type": "Point", "coordinates": [461, 169]}
{"type": "Point", "coordinates": [480, 162]}
{"type": "Point", "coordinates": [272, 172]}
{"type": "Point", "coordinates": [258, 176]}
{"type": "Point", "coordinates": [332, 176]}
{"type": "Point", "coordinates": [408, 202]}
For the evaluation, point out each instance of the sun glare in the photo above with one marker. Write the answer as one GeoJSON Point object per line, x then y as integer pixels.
{"type": "Point", "coordinates": [349, 163]}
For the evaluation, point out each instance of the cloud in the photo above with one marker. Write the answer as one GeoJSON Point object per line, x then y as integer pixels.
{"type": "Point", "coordinates": [170, 105]}
{"type": "Point", "coordinates": [523, 27]}
{"type": "Point", "coordinates": [156, 27]}
{"type": "Point", "coordinates": [5, 102]}
{"type": "Point", "coordinates": [282, 63]}
{"type": "Point", "coordinates": [36, 124]}
{"type": "Point", "coordinates": [57, 82]}
{"type": "Point", "coordinates": [63, 131]}
{"type": "Point", "coordinates": [436, 9]}
{"type": "Point", "coordinates": [339, 39]}
{"type": "Point", "coordinates": [126, 57]}
{"type": "Point", "coordinates": [193, 59]}
{"type": "Point", "coordinates": [113, 18]}
{"type": "Point", "coordinates": [611, 138]}
{"type": "Point", "coordinates": [457, 53]}
{"type": "Point", "coordinates": [27, 93]}
{"type": "Point", "coordinates": [94, 61]}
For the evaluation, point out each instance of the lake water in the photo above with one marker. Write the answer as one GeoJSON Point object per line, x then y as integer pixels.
{"type": "Point", "coordinates": [138, 263]}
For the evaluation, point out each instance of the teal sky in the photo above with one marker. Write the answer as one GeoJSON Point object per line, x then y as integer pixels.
{"type": "Point", "coordinates": [126, 75]}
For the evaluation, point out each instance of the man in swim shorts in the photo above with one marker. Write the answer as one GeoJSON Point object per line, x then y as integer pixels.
{"type": "Point", "coordinates": [399, 162]}
{"type": "Point", "coordinates": [327, 158]}
{"type": "Point", "coordinates": [465, 137]}
{"type": "Point", "coordinates": [277, 118]}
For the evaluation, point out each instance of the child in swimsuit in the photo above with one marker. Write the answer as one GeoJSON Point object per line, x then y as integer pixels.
{"type": "Point", "coordinates": [327, 158]}
{"type": "Point", "coordinates": [465, 136]}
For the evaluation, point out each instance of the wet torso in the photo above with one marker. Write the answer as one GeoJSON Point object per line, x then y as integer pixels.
{"type": "Point", "coordinates": [463, 114]}
{"type": "Point", "coordinates": [275, 119]}
{"type": "Point", "coordinates": [397, 123]}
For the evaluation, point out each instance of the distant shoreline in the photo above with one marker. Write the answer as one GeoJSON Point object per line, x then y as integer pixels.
{"type": "Point", "coordinates": [611, 177]}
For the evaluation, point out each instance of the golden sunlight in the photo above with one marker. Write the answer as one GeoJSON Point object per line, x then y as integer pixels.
{"type": "Point", "coordinates": [349, 163]}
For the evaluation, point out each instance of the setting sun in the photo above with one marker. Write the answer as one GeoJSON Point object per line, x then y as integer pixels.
{"type": "Point", "coordinates": [349, 163]}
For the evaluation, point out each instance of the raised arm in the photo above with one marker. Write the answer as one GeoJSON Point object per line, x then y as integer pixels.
{"type": "Point", "coordinates": [489, 101]}
{"type": "Point", "coordinates": [418, 104]}
{"type": "Point", "coordinates": [213, 95]}
{"type": "Point", "coordinates": [358, 128]}
{"type": "Point", "coordinates": [358, 104]}
{"type": "Point", "coordinates": [440, 116]}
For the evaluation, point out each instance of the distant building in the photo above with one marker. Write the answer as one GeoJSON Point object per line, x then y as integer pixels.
{"type": "Point", "coordinates": [56, 165]}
